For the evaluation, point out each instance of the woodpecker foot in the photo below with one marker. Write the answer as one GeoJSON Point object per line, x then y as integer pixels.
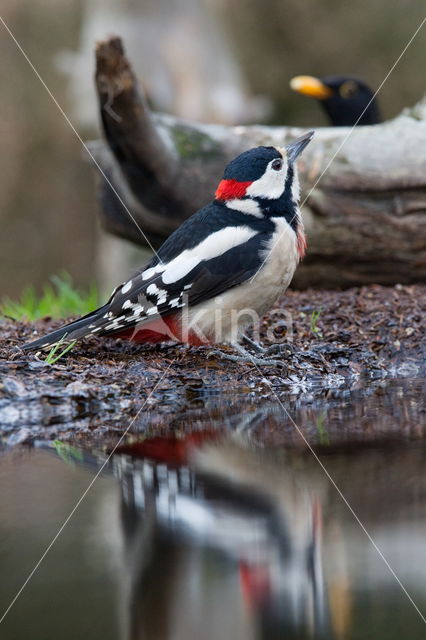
{"type": "Point", "coordinates": [285, 349]}
{"type": "Point", "coordinates": [247, 357]}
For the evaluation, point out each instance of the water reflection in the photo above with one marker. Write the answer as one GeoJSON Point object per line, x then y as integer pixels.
{"type": "Point", "coordinates": [225, 541]}
{"type": "Point", "coordinates": [383, 410]}
{"type": "Point", "coordinates": [206, 534]}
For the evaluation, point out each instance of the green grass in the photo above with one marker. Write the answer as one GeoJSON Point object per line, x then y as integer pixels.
{"type": "Point", "coordinates": [314, 322]}
{"type": "Point", "coordinates": [57, 300]}
{"type": "Point", "coordinates": [53, 356]}
{"type": "Point", "coordinates": [324, 438]}
{"type": "Point", "coordinates": [68, 453]}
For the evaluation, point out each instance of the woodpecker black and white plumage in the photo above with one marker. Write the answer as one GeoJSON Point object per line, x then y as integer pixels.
{"type": "Point", "coordinates": [239, 252]}
{"type": "Point", "coordinates": [343, 98]}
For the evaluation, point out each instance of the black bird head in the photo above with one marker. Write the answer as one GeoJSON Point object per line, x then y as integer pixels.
{"type": "Point", "coordinates": [262, 172]}
{"type": "Point", "coordinates": [343, 98]}
{"type": "Point", "coordinates": [263, 182]}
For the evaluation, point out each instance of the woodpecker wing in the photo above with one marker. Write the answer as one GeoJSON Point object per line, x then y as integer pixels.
{"type": "Point", "coordinates": [215, 276]}
{"type": "Point", "coordinates": [143, 299]}
{"type": "Point", "coordinates": [140, 300]}
{"type": "Point", "coordinates": [209, 254]}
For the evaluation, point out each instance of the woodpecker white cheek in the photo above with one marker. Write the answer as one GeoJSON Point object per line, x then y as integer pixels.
{"type": "Point", "coordinates": [271, 185]}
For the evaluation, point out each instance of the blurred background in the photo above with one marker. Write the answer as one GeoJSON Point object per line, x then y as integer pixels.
{"type": "Point", "coordinates": [211, 60]}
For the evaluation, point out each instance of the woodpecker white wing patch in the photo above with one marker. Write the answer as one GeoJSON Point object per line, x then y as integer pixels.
{"type": "Point", "coordinates": [152, 271]}
{"type": "Point", "coordinates": [152, 289]}
{"type": "Point", "coordinates": [211, 247]}
{"type": "Point", "coordinates": [160, 295]}
{"type": "Point", "coordinates": [151, 311]}
{"type": "Point", "coordinates": [126, 287]}
{"type": "Point", "coordinates": [137, 309]}
{"type": "Point", "coordinates": [179, 268]}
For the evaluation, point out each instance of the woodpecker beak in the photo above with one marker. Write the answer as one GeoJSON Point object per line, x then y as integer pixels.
{"type": "Point", "coordinates": [294, 149]}
{"type": "Point", "coordinates": [310, 86]}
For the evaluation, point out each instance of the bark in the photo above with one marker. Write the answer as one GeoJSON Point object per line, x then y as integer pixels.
{"type": "Point", "coordinates": [365, 219]}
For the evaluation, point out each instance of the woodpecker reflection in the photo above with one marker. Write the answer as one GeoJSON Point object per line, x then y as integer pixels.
{"type": "Point", "coordinates": [221, 541]}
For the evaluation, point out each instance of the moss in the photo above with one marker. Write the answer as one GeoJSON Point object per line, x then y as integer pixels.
{"type": "Point", "coordinates": [341, 158]}
{"type": "Point", "coordinates": [191, 143]}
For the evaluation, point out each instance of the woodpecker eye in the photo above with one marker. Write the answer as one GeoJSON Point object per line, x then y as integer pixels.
{"type": "Point", "coordinates": [348, 89]}
{"type": "Point", "coordinates": [277, 165]}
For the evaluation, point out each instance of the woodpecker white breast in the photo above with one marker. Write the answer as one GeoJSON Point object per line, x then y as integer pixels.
{"type": "Point", "coordinates": [238, 253]}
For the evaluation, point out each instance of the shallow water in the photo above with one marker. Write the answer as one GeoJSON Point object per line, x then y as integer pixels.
{"type": "Point", "coordinates": [221, 530]}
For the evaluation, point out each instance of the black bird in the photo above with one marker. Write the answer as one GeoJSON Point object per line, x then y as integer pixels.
{"type": "Point", "coordinates": [343, 98]}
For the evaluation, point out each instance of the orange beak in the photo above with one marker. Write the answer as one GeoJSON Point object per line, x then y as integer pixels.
{"type": "Point", "coordinates": [310, 86]}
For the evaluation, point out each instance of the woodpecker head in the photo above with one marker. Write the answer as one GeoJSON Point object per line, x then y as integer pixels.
{"type": "Point", "coordinates": [263, 181]}
{"type": "Point", "coordinates": [343, 98]}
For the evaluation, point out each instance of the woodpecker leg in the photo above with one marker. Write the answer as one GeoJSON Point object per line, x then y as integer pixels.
{"type": "Point", "coordinates": [252, 343]}
{"type": "Point", "coordinates": [246, 356]}
{"type": "Point", "coordinates": [256, 360]}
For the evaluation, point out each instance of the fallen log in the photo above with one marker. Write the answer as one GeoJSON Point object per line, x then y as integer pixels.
{"type": "Point", "coordinates": [364, 216]}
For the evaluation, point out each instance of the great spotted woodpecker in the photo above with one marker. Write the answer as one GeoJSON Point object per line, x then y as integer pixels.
{"type": "Point", "coordinates": [343, 98]}
{"type": "Point", "coordinates": [237, 253]}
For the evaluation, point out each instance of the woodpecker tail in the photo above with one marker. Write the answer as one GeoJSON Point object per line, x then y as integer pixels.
{"type": "Point", "coordinates": [71, 331]}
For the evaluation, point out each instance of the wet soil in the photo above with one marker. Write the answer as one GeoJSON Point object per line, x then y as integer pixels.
{"type": "Point", "coordinates": [334, 343]}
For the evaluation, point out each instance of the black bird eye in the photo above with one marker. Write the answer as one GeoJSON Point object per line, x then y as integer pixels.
{"type": "Point", "coordinates": [348, 89]}
{"type": "Point", "coordinates": [277, 165]}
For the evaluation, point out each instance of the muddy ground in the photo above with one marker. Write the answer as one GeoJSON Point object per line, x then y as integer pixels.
{"type": "Point", "coordinates": [358, 341]}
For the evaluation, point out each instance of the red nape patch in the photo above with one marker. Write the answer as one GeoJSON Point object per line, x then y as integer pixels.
{"type": "Point", "coordinates": [230, 189]}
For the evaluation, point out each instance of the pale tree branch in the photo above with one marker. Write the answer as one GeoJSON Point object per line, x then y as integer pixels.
{"type": "Point", "coordinates": [365, 219]}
